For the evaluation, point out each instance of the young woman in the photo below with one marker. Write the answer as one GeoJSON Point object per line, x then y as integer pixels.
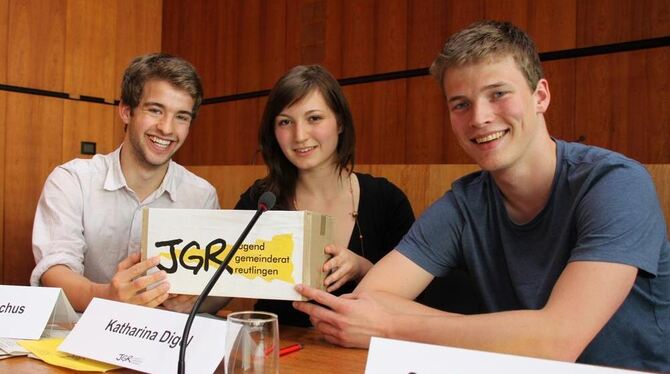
{"type": "Point", "coordinates": [307, 140]}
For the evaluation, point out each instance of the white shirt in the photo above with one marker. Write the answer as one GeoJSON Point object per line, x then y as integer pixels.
{"type": "Point", "coordinates": [89, 219]}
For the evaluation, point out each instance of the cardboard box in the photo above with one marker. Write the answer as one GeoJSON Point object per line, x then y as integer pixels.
{"type": "Point", "coordinates": [283, 249]}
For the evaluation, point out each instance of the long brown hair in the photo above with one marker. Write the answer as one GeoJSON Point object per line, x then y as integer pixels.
{"type": "Point", "coordinates": [289, 89]}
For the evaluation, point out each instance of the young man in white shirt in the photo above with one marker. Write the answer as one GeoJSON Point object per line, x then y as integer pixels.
{"type": "Point", "coordinates": [87, 230]}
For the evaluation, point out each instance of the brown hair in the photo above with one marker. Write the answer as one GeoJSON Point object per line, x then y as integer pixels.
{"type": "Point", "coordinates": [289, 89]}
{"type": "Point", "coordinates": [486, 40]}
{"type": "Point", "coordinates": [178, 72]}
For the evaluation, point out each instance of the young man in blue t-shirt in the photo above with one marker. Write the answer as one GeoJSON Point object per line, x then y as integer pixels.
{"type": "Point", "coordinates": [566, 243]}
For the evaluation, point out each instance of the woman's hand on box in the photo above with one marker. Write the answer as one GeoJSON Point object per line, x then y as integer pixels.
{"type": "Point", "coordinates": [343, 266]}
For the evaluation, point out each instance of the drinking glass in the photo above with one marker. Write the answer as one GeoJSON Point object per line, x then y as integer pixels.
{"type": "Point", "coordinates": [252, 343]}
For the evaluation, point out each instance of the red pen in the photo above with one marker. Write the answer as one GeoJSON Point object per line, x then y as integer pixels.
{"type": "Point", "coordinates": [290, 349]}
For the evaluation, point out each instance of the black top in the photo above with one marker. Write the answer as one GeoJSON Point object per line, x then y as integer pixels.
{"type": "Point", "coordinates": [384, 216]}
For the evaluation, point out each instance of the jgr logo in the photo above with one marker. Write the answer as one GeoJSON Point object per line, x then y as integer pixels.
{"type": "Point", "coordinates": [124, 358]}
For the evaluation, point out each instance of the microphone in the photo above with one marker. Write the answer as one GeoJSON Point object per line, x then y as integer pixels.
{"type": "Point", "coordinates": [265, 202]}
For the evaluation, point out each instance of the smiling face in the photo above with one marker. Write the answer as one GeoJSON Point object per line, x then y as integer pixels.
{"type": "Point", "coordinates": [495, 116]}
{"type": "Point", "coordinates": [159, 124]}
{"type": "Point", "coordinates": [307, 133]}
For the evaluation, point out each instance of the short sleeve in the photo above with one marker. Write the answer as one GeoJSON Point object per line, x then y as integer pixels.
{"type": "Point", "coordinates": [432, 242]}
{"type": "Point", "coordinates": [619, 219]}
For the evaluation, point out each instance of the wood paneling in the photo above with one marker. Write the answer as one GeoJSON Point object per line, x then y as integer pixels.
{"type": "Point", "coordinates": [431, 22]}
{"type": "Point", "coordinates": [540, 19]}
{"type": "Point", "coordinates": [621, 103]}
{"type": "Point", "coordinates": [34, 150]}
{"type": "Point", "coordinates": [230, 180]}
{"type": "Point", "coordinates": [560, 117]}
{"type": "Point", "coordinates": [237, 46]}
{"type": "Point", "coordinates": [379, 111]}
{"type": "Point", "coordinates": [427, 112]}
{"type": "Point", "coordinates": [308, 32]}
{"type": "Point", "coordinates": [4, 20]}
{"type": "Point", "coordinates": [87, 122]}
{"type": "Point", "coordinates": [404, 121]}
{"type": "Point", "coordinates": [137, 31]}
{"type": "Point", "coordinates": [223, 132]}
{"type": "Point", "coordinates": [3, 127]}
{"type": "Point", "coordinates": [614, 21]}
{"type": "Point", "coordinates": [88, 66]}
{"type": "Point", "coordinates": [552, 24]}
{"type": "Point", "coordinates": [36, 44]}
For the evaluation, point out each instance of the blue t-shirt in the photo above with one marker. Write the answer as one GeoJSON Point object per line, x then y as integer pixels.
{"type": "Point", "coordinates": [603, 207]}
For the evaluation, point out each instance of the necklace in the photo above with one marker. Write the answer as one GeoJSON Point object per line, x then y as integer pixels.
{"type": "Point", "coordinates": [353, 214]}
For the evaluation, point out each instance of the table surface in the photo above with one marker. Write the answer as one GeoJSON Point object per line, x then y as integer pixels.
{"type": "Point", "coordinates": [317, 356]}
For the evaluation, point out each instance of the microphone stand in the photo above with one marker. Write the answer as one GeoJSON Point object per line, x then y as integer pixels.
{"type": "Point", "coordinates": [187, 328]}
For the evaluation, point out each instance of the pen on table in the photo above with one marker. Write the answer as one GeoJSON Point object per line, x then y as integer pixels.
{"type": "Point", "coordinates": [289, 349]}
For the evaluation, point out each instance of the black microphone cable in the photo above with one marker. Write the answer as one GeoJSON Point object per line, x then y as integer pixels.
{"type": "Point", "coordinates": [265, 203]}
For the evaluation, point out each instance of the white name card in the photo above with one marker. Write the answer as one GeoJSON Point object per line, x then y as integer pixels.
{"type": "Point", "coordinates": [145, 339]}
{"type": "Point", "coordinates": [396, 356]}
{"type": "Point", "coordinates": [25, 311]}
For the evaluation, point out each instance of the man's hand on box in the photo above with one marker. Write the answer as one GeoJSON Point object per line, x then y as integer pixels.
{"type": "Point", "coordinates": [130, 285]}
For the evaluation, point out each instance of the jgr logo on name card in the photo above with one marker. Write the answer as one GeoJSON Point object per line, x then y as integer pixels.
{"type": "Point", "coordinates": [124, 358]}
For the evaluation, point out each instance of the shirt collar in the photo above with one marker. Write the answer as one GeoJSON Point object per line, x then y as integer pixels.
{"type": "Point", "coordinates": [115, 180]}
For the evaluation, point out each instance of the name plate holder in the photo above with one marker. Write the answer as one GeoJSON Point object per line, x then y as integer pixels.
{"type": "Point", "coordinates": [32, 312]}
{"type": "Point", "coordinates": [397, 356]}
{"type": "Point", "coordinates": [145, 339]}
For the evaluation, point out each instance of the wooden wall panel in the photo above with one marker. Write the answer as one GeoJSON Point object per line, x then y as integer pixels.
{"type": "Point", "coordinates": [230, 180]}
{"type": "Point", "coordinates": [379, 116]}
{"type": "Point", "coordinates": [237, 46]}
{"type": "Point", "coordinates": [88, 67]}
{"type": "Point", "coordinates": [4, 24]}
{"type": "Point", "coordinates": [310, 38]}
{"type": "Point", "coordinates": [203, 32]}
{"type": "Point", "coordinates": [358, 38]}
{"type": "Point", "coordinates": [431, 22]}
{"type": "Point", "coordinates": [137, 31]}
{"type": "Point", "coordinates": [552, 24]}
{"type": "Point", "coordinates": [614, 21]}
{"type": "Point", "coordinates": [625, 105]}
{"type": "Point", "coordinates": [34, 150]}
{"type": "Point", "coordinates": [36, 44]}
{"type": "Point", "coordinates": [87, 122]}
{"type": "Point", "coordinates": [560, 117]}
{"type": "Point", "coordinates": [426, 111]}
{"type": "Point", "coordinates": [4, 21]}
{"type": "Point", "coordinates": [223, 132]}
{"type": "Point", "coordinates": [3, 127]}
{"type": "Point", "coordinates": [390, 35]}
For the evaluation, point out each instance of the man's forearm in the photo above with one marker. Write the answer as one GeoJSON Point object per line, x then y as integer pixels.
{"type": "Point", "coordinates": [78, 289]}
{"type": "Point", "coordinates": [526, 332]}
